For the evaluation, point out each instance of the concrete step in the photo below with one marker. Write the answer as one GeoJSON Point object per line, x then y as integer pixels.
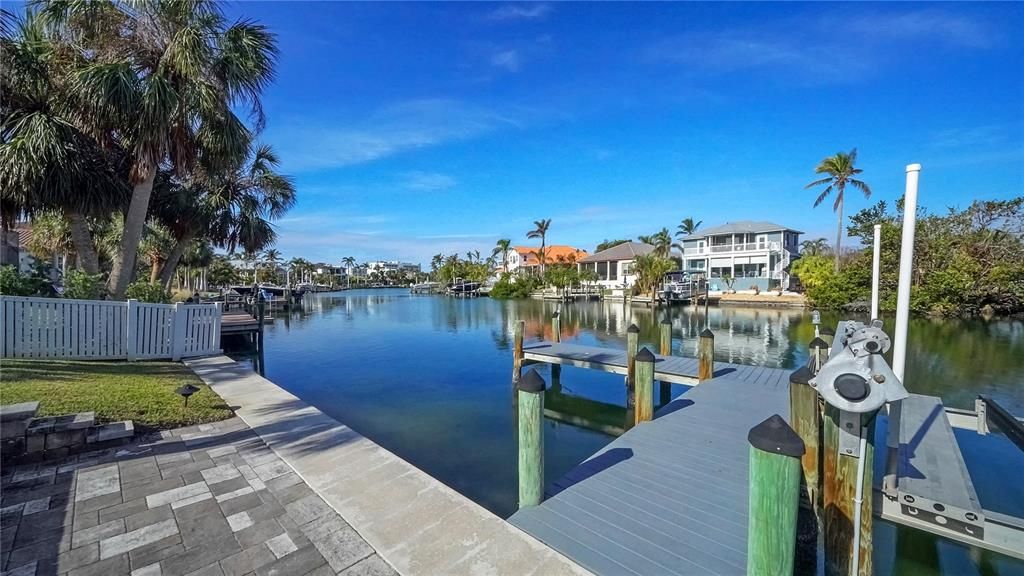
{"type": "Point", "coordinates": [112, 431]}
{"type": "Point", "coordinates": [15, 418]}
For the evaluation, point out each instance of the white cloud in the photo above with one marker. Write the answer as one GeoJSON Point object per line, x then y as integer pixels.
{"type": "Point", "coordinates": [427, 181]}
{"type": "Point", "coordinates": [519, 12]}
{"type": "Point", "coordinates": [507, 59]}
{"type": "Point", "coordinates": [973, 136]}
{"type": "Point", "coordinates": [395, 129]}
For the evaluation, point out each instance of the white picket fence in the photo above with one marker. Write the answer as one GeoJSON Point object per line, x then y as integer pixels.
{"type": "Point", "coordinates": [98, 330]}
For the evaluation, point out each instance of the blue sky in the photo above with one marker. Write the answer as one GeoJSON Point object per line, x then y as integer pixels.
{"type": "Point", "coordinates": [413, 129]}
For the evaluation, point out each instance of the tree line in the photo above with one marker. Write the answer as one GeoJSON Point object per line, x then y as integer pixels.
{"type": "Point", "coordinates": [121, 139]}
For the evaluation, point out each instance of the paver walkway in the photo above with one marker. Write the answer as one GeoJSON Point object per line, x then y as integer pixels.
{"type": "Point", "coordinates": [210, 500]}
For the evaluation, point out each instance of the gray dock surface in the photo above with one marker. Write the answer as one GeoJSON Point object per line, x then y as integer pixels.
{"type": "Point", "coordinates": [670, 496]}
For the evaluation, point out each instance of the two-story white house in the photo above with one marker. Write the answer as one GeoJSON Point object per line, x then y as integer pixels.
{"type": "Point", "coordinates": [751, 253]}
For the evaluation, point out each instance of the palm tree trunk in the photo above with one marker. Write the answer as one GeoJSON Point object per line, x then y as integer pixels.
{"type": "Point", "coordinates": [154, 271]}
{"type": "Point", "coordinates": [171, 264]}
{"type": "Point", "coordinates": [134, 224]}
{"type": "Point", "coordinates": [82, 239]}
{"type": "Point", "coordinates": [839, 229]}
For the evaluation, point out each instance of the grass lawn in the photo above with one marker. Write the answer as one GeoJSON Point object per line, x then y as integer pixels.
{"type": "Point", "coordinates": [142, 392]}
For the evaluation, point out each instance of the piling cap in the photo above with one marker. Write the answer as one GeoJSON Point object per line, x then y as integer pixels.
{"type": "Point", "coordinates": [776, 437]}
{"type": "Point", "coordinates": [827, 331]}
{"type": "Point", "coordinates": [818, 343]}
{"type": "Point", "coordinates": [667, 322]}
{"type": "Point", "coordinates": [801, 375]}
{"type": "Point", "coordinates": [707, 333]}
{"type": "Point", "coordinates": [532, 382]}
{"type": "Point", "coordinates": [644, 355]}
{"type": "Point", "coordinates": [555, 315]}
{"type": "Point", "coordinates": [633, 329]}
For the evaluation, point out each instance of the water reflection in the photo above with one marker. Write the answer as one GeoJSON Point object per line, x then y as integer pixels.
{"type": "Point", "coordinates": [429, 378]}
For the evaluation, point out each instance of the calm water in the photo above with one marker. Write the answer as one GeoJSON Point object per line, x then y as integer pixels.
{"type": "Point", "coordinates": [429, 378]}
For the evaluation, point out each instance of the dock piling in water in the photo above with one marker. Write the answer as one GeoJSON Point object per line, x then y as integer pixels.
{"type": "Point", "coordinates": [775, 452]}
{"type": "Point", "coordinates": [517, 350]}
{"type": "Point", "coordinates": [818, 356]}
{"type": "Point", "coordinates": [805, 416]}
{"type": "Point", "coordinates": [531, 439]}
{"type": "Point", "coordinates": [840, 487]}
{"type": "Point", "coordinates": [706, 355]}
{"type": "Point", "coordinates": [665, 388]}
{"type": "Point", "coordinates": [632, 342]}
{"type": "Point", "coordinates": [556, 328]}
{"type": "Point", "coordinates": [644, 386]}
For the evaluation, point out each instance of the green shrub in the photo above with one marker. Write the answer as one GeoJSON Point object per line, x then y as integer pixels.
{"type": "Point", "coordinates": [508, 287]}
{"type": "Point", "coordinates": [14, 283]}
{"type": "Point", "coordinates": [82, 286]}
{"type": "Point", "coordinates": [148, 292]}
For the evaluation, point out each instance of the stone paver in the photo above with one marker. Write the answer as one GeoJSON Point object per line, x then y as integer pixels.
{"type": "Point", "coordinates": [164, 506]}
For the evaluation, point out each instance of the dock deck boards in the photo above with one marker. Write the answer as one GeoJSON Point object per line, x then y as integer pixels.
{"type": "Point", "coordinates": [675, 369]}
{"type": "Point", "coordinates": [623, 512]}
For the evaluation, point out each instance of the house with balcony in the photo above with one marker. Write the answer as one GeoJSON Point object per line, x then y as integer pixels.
{"type": "Point", "coordinates": [752, 253]}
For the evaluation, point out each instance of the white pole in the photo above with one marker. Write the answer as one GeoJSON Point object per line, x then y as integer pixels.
{"type": "Point", "coordinates": [899, 353]}
{"type": "Point", "coordinates": [876, 271]}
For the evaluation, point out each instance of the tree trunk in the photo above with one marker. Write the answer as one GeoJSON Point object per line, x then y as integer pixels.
{"type": "Point", "coordinates": [839, 229]}
{"type": "Point", "coordinates": [134, 224]}
{"type": "Point", "coordinates": [82, 239]}
{"type": "Point", "coordinates": [154, 270]}
{"type": "Point", "coordinates": [171, 264]}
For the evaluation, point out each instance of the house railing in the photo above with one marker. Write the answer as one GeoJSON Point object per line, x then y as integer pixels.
{"type": "Point", "coordinates": [105, 330]}
{"type": "Point", "coordinates": [722, 248]}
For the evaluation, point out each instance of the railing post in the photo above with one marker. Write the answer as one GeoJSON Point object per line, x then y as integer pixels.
{"type": "Point", "coordinates": [706, 355]}
{"type": "Point", "coordinates": [775, 451]}
{"type": "Point", "coordinates": [644, 386]}
{"type": "Point", "coordinates": [178, 330]}
{"type": "Point", "coordinates": [131, 336]}
{"type": "Point", "coordinates": [218, 319]}
{"type": "Point", "coordinates": [632, 342]}
{"type": "Point", "coordinates": [531, 439]}
{"type": "Point", "coordinates": [517, 350]}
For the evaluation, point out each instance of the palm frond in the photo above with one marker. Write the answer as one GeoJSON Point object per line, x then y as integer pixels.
{"type": "Point", "coordinates": [821, 197]}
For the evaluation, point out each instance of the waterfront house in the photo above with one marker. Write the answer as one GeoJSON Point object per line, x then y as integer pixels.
{"type": "Point", "coordinates": [525, 258]}
{"type": "Point", "coordinates": [614, 266]}
{"type": "Point", "coordinates": [752, 253]}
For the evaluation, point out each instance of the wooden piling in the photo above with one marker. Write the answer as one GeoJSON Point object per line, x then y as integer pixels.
{"type": "Point", "coordinates": [531, 439]}
{"type": "Point", "coordinates": [706, 355]}
{"type": "Point", "coordinates": [665, 388]}
{"type": "Point", "coordinates": [632, 342]}
{"type": "Point", "coordinates": [644, 399]}
{"type": "Point", "coordinates": [556, 328]}
{"type": "Point", "coordinates": [828, 335]}
{"type": "Point", "coordinates": [818, 355]}
{"type": "Point", "coordinates": [840, 479]}
{"type": "Point", "coordinates": [775, 451]}
{"type": "Point", "coordinates": [805, 415]}
{"type": "Point", "coordinates": [517, 350]}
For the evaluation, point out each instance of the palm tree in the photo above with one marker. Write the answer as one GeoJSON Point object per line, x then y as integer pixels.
{"type": "Point", "coordinates": [165, 77]}
{"type": "Point", "coordinates": [841, 171]}
{"type": "Point", "coordinates": [540, 230]}
{"type": "Point", "coordinates": [349, 263]}
{"type": "Point", "coordinates": [817, 247]}
{"type": "Point", "coordinates": [48, 158]}
{"type": "Point", "coordinates": [662, 242]}
{"type": "Point", "coordinates": [502, 247]}
{"type": "Point", "coordinates": [687, 227]}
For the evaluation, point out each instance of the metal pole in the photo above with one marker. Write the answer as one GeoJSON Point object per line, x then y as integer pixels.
{"type": "Point", "coordinates": [899, 351]}
{"type": "Point", "coordinates": [876, 270]}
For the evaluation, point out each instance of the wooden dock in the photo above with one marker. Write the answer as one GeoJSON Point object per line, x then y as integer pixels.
{"type": "Point", "coordinates": [669, 496]}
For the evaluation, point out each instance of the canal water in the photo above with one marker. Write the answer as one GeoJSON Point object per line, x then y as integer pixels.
{"type": "Point", "coordinates": [429, 378]}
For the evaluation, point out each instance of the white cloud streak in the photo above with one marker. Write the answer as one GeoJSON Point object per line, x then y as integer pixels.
{"type": "Point", "coordinates": [519, 12]}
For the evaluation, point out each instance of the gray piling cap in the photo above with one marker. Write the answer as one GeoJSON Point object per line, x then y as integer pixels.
{"type": "Point", "coordinates": [818, 343]}
{"type": "Point", "coordinates": [532, 382]}
{"type": "Point", "coordinates": [633, 329]}
{"type": "Point", "coordinates": [776, 437]}
{"type": "Point", "coordinates": [801, 375]}
{"type": "Point", "coordinates": [707, 333]}
{"type": "Point", "coordinates": [644, 355]}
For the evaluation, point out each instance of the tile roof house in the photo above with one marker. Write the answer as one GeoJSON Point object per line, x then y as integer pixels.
{"type": "Point", "coordinates": [614, 266]}
{"type": "Point", "coordinates": [525, 257]}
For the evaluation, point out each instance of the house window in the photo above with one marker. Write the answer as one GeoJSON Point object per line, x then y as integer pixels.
{"type": "Point", "coordinates": [613, 270]}
{"type": "Point", "coordinates": [602, 270]}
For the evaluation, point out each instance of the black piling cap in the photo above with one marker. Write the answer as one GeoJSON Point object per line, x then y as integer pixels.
{"type": "Point", "coordinates": [633, 329]}
{"type": "Point", "coordinates": [667, 322]}
{"type": "Point", "coordinates": [801, 375]}
{"type": "Point", "coordinates": [644, 355]}
{"type": "Point", "coordinates": [707, 333]}
{"type": "Point", "coordinates": [827, 331]}
{"type": "Point", "coordinates": [555, 315]}
{"type": "Point", "coordinates": [775, 436]}
{"type": "Point", "coordinates": [532, 382]}
{"type": "Point", "coordinates": [818, 343]}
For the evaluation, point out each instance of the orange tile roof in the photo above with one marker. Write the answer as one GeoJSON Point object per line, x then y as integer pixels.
{"type": "Point", "coordinates": [552, 254]}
